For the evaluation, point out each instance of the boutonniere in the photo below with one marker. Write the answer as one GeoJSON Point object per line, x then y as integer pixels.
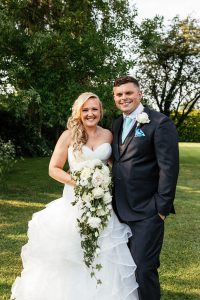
{"type": "Point", "coordinates": [142, 118]}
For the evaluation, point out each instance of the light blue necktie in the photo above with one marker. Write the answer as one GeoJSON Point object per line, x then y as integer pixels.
{"type": "Point", "coordinates": [126, 126]}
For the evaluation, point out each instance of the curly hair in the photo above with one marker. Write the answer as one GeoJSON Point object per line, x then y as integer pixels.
{"type": "Point", "coordinates": [74, 123]}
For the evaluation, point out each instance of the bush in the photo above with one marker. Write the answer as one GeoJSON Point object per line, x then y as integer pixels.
{"type": "Point", "coordinates": [189, 131]}
{"type": "Point", "coordinates": [7, 157]}
{"type": "Point", "coordinates": [25, 137]}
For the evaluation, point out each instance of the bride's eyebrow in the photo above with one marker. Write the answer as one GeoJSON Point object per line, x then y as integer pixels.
{"type": "Point", "coordinates": [86, 108]}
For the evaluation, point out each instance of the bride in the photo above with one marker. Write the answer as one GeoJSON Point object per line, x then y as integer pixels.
{"type": "Point", "coordinates": [53, 266]}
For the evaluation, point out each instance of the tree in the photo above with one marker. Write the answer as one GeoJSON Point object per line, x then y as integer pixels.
{"type": "Point", "coordinates": [169, 65]}
{"type": "Point", "coordinates": [52, 50]}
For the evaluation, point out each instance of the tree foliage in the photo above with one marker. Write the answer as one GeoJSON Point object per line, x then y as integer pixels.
{"type": "Point", "coordinates": [189, 130]}
{"type": "Point", "coordinates": [52, 50]}
{"type": "Point", "coordinates": [169, 65]}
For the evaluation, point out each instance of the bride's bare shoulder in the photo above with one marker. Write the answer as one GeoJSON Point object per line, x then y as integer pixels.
{"type": "Point", "coordinates": [65, 138]}
{"type": "Point", "coordinates": [107, 135]}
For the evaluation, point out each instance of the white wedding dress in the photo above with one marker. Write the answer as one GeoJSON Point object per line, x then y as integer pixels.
{"type": "Point", "coordinates": [53, 259]}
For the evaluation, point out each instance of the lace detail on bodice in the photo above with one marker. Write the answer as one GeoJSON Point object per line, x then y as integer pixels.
{"type": "Point", "coordinates": [102, 152]}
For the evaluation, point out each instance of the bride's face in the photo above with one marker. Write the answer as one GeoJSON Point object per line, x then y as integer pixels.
{"type": "Point", "coordinates": [90, 112]}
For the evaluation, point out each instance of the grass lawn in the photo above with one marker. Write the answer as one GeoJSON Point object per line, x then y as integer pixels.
{"type": "Point", "coordinates": [28, 188]}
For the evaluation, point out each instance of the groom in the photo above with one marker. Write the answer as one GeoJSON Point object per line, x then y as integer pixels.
{"type": "Point", "coordinates": [145, 171]}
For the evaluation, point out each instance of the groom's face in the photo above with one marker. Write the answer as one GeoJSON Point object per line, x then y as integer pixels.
{"type": "Point", "coordinates": [127, 97]}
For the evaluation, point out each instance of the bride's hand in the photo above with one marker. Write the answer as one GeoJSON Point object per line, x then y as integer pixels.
{"type": "Point", "coordinates": [72, 182]}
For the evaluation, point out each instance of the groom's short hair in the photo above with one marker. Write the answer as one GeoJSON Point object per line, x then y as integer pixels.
{"type": "Point", "coordinates": [126, 79]}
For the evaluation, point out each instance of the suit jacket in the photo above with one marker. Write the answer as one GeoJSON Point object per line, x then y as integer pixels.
{"type": "Point", "coordinates": [145, 171]}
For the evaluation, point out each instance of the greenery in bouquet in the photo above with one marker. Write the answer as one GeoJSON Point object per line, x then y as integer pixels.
{"type": "Point", "coordinates": [93, 195]}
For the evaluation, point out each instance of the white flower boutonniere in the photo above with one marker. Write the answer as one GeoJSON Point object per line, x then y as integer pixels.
{"type": "Point", "coordinates": [142, 118]}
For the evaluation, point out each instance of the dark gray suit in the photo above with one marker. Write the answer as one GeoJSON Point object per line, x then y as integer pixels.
{"type": "Point", "coordinates": [145, 171]}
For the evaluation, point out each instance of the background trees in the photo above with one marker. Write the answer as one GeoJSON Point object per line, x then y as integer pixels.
{"type": "Point", "coordinates": [169, 65]}
{"type": "Point", "coordinates": [51, 51]}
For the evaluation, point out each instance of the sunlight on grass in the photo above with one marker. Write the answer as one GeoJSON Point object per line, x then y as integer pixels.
{"type": "Point", "coordinates": [18, 203]}
{"type": "Point", "coordinates": [188, 189]}
{"type": "Point", "coordinates": [7, 225]}
{"type": "Point", "coordinates": [185, 271]}
{"type": "Point", "coordinates": [189, 145]}
{"type": "Point", "coordinates": [19, 237]}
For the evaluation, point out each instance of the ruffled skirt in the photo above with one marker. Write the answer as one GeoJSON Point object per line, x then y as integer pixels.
{"type": "Point", "coordinates": [53, 267]}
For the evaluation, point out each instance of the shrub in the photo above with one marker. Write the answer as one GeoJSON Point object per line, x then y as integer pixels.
{"type": "Point", "coordinates": [189, 131]}
{"type": "Point", "coordinates": [25, 136]}
{"type": "Point", "coordinates": [7, 156]}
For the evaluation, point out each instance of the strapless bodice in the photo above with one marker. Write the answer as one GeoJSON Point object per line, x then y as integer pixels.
{"type": "Point", "coordinates": [102, 152]}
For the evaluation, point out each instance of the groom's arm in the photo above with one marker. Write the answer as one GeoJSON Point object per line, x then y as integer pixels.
{"type": "Point", "coordinates": [167, 154]}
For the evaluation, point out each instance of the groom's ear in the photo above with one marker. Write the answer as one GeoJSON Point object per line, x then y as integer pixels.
{"type": "Point", "coordinates": [114, 95]}
{"type": "Point", "coordinates": [140, 93]}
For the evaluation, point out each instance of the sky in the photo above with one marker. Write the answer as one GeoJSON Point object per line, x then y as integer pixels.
{"type": "Point", "coordinates": [167, 8]}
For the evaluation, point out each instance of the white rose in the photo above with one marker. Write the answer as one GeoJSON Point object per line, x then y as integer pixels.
{"type": "Point", "coordinates": [107, 197]}
{"type": "Point", "coordinates": [85, 174]}
{"type": "Point", "coordinates": [83, 182]}
{"type": "Point", "coordinates": [106, 181]}
{"type": "Point", "coordinates": [106, 170]}
{"type": "Point", "coordinates": [97, 178]}
{"type": "Point", "coordinates": [98, 192]}
{"type": "Point", "coordinates": [97, 251]}
{"type": "Point", "coordinates": [109, 207]}
{"type": "Point", "coordinates": [87, 197]}
{"type": "Point", "coordinates": [94, 222]}
{"type": "Point", "coordinates": [100, 212]}
{"type": "Point", "coordinates": [143, 118]}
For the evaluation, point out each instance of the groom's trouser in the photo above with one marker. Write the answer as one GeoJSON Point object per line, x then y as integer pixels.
{"type": "Point", "coordinates": [145, 246]}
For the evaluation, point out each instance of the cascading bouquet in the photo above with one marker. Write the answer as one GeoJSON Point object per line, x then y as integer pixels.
{"type": "Point", "coordinates": [93, 195]}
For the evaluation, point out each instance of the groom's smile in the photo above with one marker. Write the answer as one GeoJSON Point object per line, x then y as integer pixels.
{"type": "Point", "coordinates": [127, 97]}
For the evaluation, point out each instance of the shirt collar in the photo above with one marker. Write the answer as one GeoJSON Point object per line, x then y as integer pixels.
{"type": "Point", "coordinates": [136, 112]}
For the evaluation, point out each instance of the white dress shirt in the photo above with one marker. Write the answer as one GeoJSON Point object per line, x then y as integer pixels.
{"type": "Point", "coordinates": [133, 116]}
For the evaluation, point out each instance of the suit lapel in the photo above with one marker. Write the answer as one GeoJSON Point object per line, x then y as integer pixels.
{"type": "Point", "coordinates": [116, 142]}
{"type": "Point", "coordinates": [146, 110]}
{"type": "Point", "coordinates": [129, 138]}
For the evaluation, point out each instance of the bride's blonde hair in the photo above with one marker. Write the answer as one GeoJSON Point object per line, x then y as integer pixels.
{"type": "Point", "coordinates": [74, 123]}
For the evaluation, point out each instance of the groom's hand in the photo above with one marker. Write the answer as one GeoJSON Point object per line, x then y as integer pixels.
{"type": "Point", "coordinates": [162, 216]}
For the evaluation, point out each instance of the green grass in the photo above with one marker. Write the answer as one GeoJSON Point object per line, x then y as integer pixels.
{"type": "Point", "coordinates": [25, 190]}
{"type": "Point", "coordinates": [180, 259]}
{"type": "Point", "coordinates": [28, 188]}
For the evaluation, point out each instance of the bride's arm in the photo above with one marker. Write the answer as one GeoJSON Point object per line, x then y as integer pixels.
{"type": "Point", "coordinates": [59, 158]}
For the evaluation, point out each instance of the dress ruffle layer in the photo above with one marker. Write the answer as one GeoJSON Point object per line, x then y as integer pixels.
{"type": "Point", "coordinates": [53, 267]}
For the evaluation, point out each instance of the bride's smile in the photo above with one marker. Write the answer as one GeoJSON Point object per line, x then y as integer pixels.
{"type": "Point", "coordinates": [90, 113]}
